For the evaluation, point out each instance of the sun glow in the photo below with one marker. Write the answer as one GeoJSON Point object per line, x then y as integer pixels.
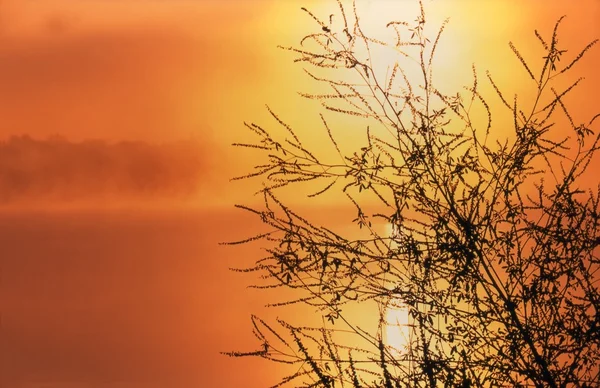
{"type": "Point", "coordinates": [397, 328]}
{"type": "Point", "coordinates": [396, 333]}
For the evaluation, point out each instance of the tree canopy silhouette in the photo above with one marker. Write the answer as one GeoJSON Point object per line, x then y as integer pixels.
{"type": "Point", "coordinates": [493, 239]}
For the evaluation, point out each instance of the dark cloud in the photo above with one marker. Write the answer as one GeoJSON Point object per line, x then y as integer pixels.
{"type": "Point", "coordinates": [56, 169]}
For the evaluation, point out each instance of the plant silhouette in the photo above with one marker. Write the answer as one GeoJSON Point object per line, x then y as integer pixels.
{"type": "Point", "coordinates": [494, 232]}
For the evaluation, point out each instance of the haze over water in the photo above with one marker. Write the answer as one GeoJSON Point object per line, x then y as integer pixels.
{"type": "Point", "coordinates": [111, 275]}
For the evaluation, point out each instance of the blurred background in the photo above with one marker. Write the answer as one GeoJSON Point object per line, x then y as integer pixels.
{"type": "Point", "coordinates": [116, 121]}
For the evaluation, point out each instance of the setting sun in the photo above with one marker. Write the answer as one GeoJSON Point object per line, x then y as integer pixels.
{"type": "Point", "coordinates": [397, 329]}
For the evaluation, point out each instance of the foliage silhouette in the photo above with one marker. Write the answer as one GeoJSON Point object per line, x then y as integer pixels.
{"type": "Point", "coordinates": [494, 242]}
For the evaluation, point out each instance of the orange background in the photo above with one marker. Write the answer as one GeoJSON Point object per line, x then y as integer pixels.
{"type": "Point", "coordinates": [110, 293]}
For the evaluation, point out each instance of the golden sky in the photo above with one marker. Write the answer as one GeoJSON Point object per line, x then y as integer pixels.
{"type": "Point", "coordinates": [154, 71]}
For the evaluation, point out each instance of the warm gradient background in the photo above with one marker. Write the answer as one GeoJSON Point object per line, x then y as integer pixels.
{"type": "Point", "coordinates": [114, 163]}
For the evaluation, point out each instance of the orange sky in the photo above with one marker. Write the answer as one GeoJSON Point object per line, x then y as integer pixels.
{"type": "Point", "coordinates": [167, 70]}
{"type": "Point", "coordinates": [157, 71]}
